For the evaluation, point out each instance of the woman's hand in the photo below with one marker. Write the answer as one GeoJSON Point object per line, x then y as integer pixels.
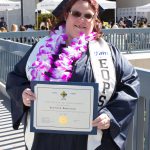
{"type": "Point", "coordinates": [27, 96]}
{"type": "Point", "coordinates": [102, 122]}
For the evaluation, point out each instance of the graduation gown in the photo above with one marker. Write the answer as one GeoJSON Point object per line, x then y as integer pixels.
{"type": "Point", "coordinates": [120, 107]}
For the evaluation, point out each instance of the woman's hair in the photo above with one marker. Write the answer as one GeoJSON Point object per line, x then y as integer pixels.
{"type": "Point", "coordinates": [3, 29]}
{"type": "Point", "coordinates": [94, 5]}
{"type": "Point", "coordinates": [22, 28]}
{"type": "Point", "coordinates": [14, 27]}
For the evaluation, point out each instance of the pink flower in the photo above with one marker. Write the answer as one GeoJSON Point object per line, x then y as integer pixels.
{"type": "Point", "coordinates": [66, 76]}
{"type": "Point", "coordinates": [65, 58]}
{"type": "Point", "coordinates": [45, 60]}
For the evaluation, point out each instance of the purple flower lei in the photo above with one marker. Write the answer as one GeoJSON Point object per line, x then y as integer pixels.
{"type": "Point", "coordinates": [46, 68]}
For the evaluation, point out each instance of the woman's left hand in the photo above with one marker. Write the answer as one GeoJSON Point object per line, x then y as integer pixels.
{"type": "Point", "coordinates": [102, 122]}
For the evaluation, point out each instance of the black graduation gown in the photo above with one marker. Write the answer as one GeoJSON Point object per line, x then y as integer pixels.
{"type": "Point", "coordinates": [120, 108]}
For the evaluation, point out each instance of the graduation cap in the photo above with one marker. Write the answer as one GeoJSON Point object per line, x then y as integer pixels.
{"type": "Point", "coordinates": [59, 9]}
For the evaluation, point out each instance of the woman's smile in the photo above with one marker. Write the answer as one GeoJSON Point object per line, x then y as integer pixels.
{"type": "Point", "coordinates": [80, 27]}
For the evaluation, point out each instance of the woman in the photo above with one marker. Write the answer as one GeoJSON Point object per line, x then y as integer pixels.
{"type": "Point", "coordinates": [83, 57]}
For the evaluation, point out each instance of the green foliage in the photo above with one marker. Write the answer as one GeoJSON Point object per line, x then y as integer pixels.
{"type": "Point", "coordinates": [41, 16]}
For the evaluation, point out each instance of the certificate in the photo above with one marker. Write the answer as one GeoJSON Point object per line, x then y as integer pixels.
{"type": "Point", "coordinates": [65, 108]}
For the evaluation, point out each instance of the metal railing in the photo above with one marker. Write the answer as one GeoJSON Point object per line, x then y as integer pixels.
{"type": "Point", "coordinates": [24, 37]}
{"type": "Point", "coordinates": [10, 53]}
{"type": "Point", "coordinates": [139, 131]}
{"type": "Point", "coordinates": [145, 94]}
{"type": "Point", "coordinates": [129, 39]}
{"type": "Point", "coordinates": [126, 40]}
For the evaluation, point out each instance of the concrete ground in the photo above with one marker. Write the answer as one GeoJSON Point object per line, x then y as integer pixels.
{"type": "Point", "coordinates": [141, 60]}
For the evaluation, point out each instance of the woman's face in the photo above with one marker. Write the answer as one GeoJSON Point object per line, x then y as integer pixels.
{"type": "Point", "coordinates": [81, 18]}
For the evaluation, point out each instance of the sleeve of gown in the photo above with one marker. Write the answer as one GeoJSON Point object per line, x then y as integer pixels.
{"type": "Point", "coordinates": [16, 83]}
{"type": "Point", "coordinates": [122, 104]}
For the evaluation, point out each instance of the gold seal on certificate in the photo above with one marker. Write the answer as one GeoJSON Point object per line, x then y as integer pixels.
{"type": "Point", "coordinates": [64, 107]}
{"type": "Point", "coordinates": [63, 120]}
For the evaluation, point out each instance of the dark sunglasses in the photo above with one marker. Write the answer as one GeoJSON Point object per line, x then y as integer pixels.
{"type": "Point", "coordinates": [78, 14]}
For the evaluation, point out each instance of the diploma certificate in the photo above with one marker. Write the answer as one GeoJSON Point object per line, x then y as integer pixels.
{"type": "Point", "coordinates": [64, 107]}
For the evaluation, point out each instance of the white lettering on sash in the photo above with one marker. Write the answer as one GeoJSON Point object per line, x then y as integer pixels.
{"type": "Point", "coordinates": [104, 74]}
{"type": "Point", "coordinates": [103, 69]}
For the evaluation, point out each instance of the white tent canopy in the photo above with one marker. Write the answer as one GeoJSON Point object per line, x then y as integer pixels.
{"type": "Point", "coordinates": [144, 8]}
{"type": "Point", "coordinates": [48, 4]}
{"type": "Point", "coordinates": [105, 4]}
{"type": "Point", "coordinates": [7, 5]}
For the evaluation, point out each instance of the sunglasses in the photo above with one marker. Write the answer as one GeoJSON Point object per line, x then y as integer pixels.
{"type": "Point", "coordinates": [77, 14]}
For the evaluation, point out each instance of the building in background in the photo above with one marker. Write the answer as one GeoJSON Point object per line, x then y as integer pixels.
{"type": "Point", "coordinates": [29, 7]}
{"type": "Point", "coordinates": [126, 8]}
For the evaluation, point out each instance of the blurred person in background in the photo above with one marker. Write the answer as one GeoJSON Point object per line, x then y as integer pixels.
{"type": "Point", "coordinates": [3, 29]}
{"type": "Point", "coordinates": [14, 28]}
{"type": "Point", "coordinates": [49, 23]}
{"type": "Point", "coordinates": [22, 28]}
{"type": "Point", "coordinates": [44, 24]}
{"type": "Point", "coordinates": [121, 23]}
{"type": "Point", "coordinates": [129, 22]}
{"type": "Point", "coordinates": [3, 23]}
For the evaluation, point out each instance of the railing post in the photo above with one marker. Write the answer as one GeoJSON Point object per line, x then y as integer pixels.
{"type": "Point", "coordinates": [130, 138]}
{"type": "Point", "coordinates": [147, 125]}
{"type": "Point", "coordinates": [140, 124]}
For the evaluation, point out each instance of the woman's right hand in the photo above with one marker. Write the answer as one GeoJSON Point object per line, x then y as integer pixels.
{"type": "Point", "coordinates": [28, 96]}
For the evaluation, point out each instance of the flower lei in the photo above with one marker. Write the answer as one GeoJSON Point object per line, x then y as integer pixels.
{"type": "Point", "coordinates": [47, 68]}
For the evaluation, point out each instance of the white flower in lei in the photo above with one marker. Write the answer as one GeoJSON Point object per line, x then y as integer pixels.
{"type": "Point", "coordinates": [47, 67]}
